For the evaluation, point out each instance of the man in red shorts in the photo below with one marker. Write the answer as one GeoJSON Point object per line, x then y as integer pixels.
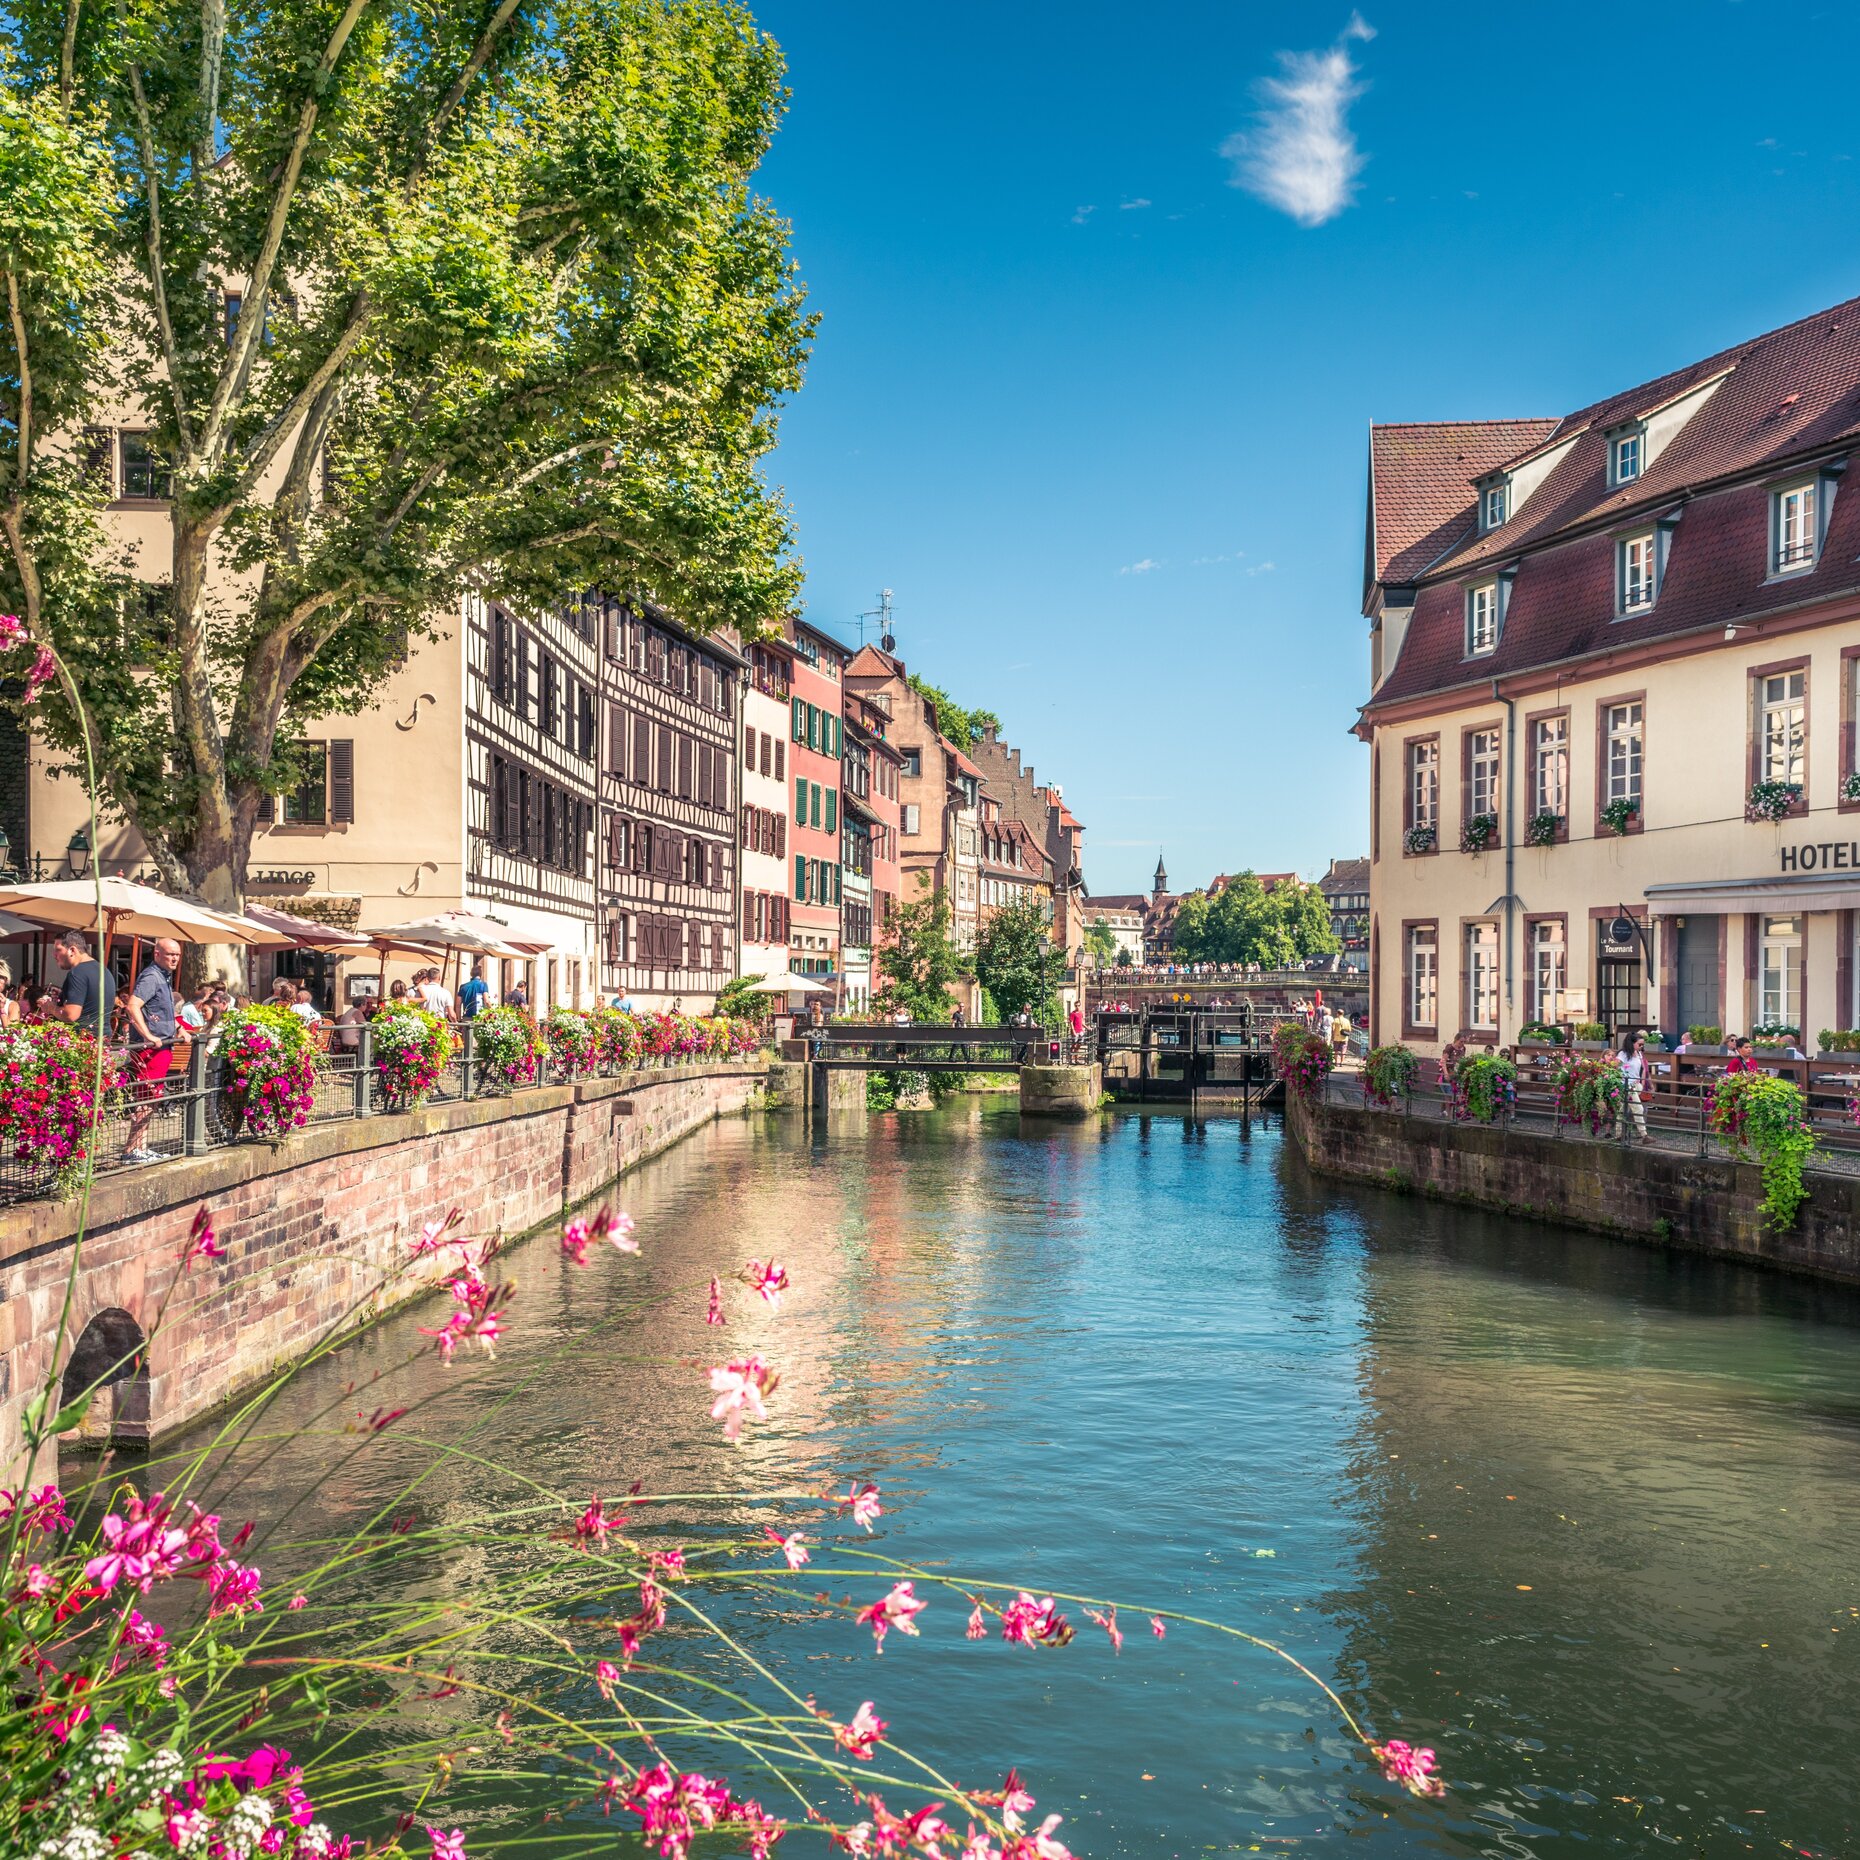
{"type": "Point", "coordinates": [149, 1010]}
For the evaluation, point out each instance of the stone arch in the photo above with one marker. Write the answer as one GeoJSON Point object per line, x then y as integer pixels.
{"type": "Point", "coordinates": [111, 1353]}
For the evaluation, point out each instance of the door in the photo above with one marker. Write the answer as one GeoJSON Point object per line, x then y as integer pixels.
{"type": "Point", "coordinates": [1618, 1001]}
{"type": "Point", "coordinates": [1696, 958]}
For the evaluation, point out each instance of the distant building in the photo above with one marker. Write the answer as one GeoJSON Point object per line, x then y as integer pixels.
{"type": "Point", "coordinates": [869, 851]}
{"type": "Point", "coordinates": [762, 826]}
{"type": "Point", "coordinates": [816, 736]}
{"type": "Point", "coordinates": [1123, 917]}
{"type": "Point", "coordinates": [1346, 891]}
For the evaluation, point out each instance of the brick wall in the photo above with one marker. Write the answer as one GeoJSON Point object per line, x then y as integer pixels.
{"type": "Point", "coordinates": [315, 1229]}
{"type": "Point", "coordinates": [1699, 1204]}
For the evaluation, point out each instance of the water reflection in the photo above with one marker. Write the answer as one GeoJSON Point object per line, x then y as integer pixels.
{"type": "Point", "coordinates": [1536, 1499]}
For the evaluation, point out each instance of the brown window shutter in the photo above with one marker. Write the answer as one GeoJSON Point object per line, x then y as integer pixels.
{"type": "Point", "coordinates": [781, 758]}
{"type": "Point", "coordinates": [667, 773]}
{"type": "Point", "coordinates": [749, 744]}
{"type": "Point", "coordinates": [642, 752]}
{"type": "Point", "coordinates": [267, 809]}
{"type": "Point", "coordinates": [616, 739]}
{"type": "Point", "coordinates": [342, 779]}
{"type": "Point", "coordinates": [685, 783]}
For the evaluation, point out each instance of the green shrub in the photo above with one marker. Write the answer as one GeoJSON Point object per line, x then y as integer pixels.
{"type": "Point", "coordinates": [1541, 1031]}
{"type": "Point", "coordinates": [1756, 1111]}
{"type": "Point", "coordinates": [1706, 1036]}
{"type": "Point", "coordinates": [1591, 1030]}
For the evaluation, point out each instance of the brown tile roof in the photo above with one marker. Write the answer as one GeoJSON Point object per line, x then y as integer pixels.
{"type": "Point", "coordinates": [1120, 901]}
{"type": "Point", "coordinates": [1420, 485]}
{"type": "Point", "coordinates": [1345, 875]}
{"type": "Point", "coordinates": [1785, 397]}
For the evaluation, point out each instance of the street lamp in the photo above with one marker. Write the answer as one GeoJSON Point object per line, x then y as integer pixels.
{"type": "Point", "coordinates": [77, 854]}
{"type": "Point", "coordinates": [6, 852]}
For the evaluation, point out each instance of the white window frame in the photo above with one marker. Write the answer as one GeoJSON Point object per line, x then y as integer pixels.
{"type": "Point", "coordinates": [1424, 783]}
{"type": "Point", "coordinates": [1482, 772]}
{"type": "Point", "coordinates": [1624, 751]}
{"type": "Point", "coordinates": [1480, 951]}
{"type": "Point", "coordinates": [1422, 979]}
{"type": "Point", "coordinates": [1627, 457]}
{"type": "Point", "coordinates": [1482, 620]}
{"type": "Point", "coordinates": [1779, 972]}
{"type": "Point", "coordinates": [1549, 969]}
{"type": "Point", "coordinates": [1637, 573]}
{"type": "Point", "coordinates": [1494, 505]}
{"type": "Point", "coordinates": [1795, 538]}
{"type": "Point", "coordinates": [1782, 726]}
{"type": "Point", "coordinates": [1550, 753]}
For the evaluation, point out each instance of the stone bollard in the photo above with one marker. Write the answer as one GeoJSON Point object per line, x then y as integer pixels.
{"type": "Point", "coordinates": [1060, 1091]}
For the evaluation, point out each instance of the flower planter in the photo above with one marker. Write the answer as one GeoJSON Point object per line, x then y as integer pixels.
{"type": "Point", "coordinates": [1589, 1046]}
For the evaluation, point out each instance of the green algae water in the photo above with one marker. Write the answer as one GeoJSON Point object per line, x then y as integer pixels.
{"type": "Point", "coordinates": [1581, 1516]}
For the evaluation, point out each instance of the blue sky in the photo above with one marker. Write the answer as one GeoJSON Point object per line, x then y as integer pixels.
{"type": "Point", "coordinates": [1094, 378]}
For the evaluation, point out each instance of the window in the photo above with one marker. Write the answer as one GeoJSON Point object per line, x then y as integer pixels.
{"type": "Point", "coordinates": [1494, 506]}
{"type": "Point", "coordinates": [909, 822]}
{"type": "Point", "coordinates": [1423, 975]}
{"type": "Point", "coordinates": [831, 824]}
{"type": "Point", "coordinates": [913, 764]}
{"type": "Point", "coordinates": [1792, 520]}
{"type": "Point", "coordinates": [145, 472]}
{"type": "Point", "coordinates": [1636, 557]}
{"type": "Point", "coordinates": [1481, 775]}
{"type": "Point", "coordinates": [1779, 982]}
{"type": "Point", "coordinates": [1482, 619]}
{"type": "Point", "coordinates": [1482, 975]}
{"type": "Point", "coordinates": [233, 302]}
{"type": "Point", "coordinates": [1625, 456]}
{"type": "Point", "coordinates": [1550, 765]}
{"type": "Point", "coordinates": [1549, 969]}
{"type": "Point", "coordinates": [800, 800]}
{"type": "Point", "coordinates": [1424, 783]}
{"type": "Point", "coordinates": [1622, 749]}
{"type": "Point", "coordinates": [1782, 727]}
{"type": "Point", "coordinates": [307, 805]}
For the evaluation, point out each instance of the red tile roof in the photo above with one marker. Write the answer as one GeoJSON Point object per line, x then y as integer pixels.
{"type": "Point", "coordinates": [1784, 397]}
{"type": "Point", "coordinates": [1420, 485]}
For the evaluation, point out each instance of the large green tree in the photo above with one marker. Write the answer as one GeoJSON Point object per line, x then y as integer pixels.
{"type": "Point", "coordinates": [1244, 921]}
{"type": "Point", "coordinates": [1101, 940]}
{"type": "Point", "coordinates": [919, 959]}
{"type": "Point", "coordinates": [961, 725]}
{"type": "Point", "coordinates": [1016, 962]}
{"type": "Point", "coordinates": [413, 297]}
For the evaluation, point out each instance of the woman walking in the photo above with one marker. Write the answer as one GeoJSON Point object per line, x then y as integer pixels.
{"type": "Point", "coordinates": [1633, 1061]}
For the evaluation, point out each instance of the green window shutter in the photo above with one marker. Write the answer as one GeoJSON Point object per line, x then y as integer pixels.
{"type": "Point", "coordinates": [813, 804]}
{"type": "Point", "coordinates": [800, 720]}
{"type": "Point", "coordinates": [800, 801]}
{"type": "Point", "coordinates": [833, 805]}
{"type": "Point", "coordinates": [813, 726]}
{"type": "Point", "coordinates": [836, 884]}
{"type": "Point", "coordinates": [800, 878]}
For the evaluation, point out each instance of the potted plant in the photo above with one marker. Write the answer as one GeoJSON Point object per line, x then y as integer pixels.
{"type": "Point", "coordinates": [1478, 833]}
{"type": "Point", "coordinates": [1850, 788]}
{"type": "Point", "coordinates": [1543, 828]}
{"type": "Point", "coordinates": [1420, 839]}
{"type": "Point", "coordinates": [1837, 1042]}
{"type": "Point", "coordinates": [1590, 1036]}
{"type": "Point", "coordinates": [1388, 1074]}
{"type": "Point", "coordinates": [1771, 800]}
{"type": "Point", "coordinates": [1619, 815]}
{"type": "Point", "coordinates": [1705, 1039]}
{"type": "Point", "coordinates": [1542, 1032]}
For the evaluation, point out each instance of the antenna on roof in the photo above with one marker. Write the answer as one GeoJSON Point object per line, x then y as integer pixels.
{"type": "Point", "coordinates": [882, 614]}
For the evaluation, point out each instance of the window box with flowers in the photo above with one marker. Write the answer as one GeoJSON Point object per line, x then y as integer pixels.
{"type": "Point", "coordinates": [1478, 833]}
{"type": "Point", "coordinates": [1850, 788]}
{"type": "Point", "coordinates": [1543, 829]}
{"type": "Point", "coordinates": [1772, 800]}
{"type": "Point", "coordinates": [1620, 814]}
{"type": "Point", "coordinates": [1419, 840]}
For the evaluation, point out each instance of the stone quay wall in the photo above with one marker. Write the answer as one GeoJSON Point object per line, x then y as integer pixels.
{"type": "Point", "coordinates": [1705, 1205]}
{"type": "Point", "coordinates": [313, 1229]}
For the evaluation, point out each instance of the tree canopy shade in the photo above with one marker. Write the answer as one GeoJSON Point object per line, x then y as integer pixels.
{"type": "Point", "coordinates": [410, 299]}
{"type": "Point", "coordinates": [1016, 963]}
{"type": "Point", "coordinates": [1245, 922]}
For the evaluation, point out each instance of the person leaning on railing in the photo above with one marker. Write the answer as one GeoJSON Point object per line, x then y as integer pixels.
{"type": "Point", "coordinates": [150, 1030]}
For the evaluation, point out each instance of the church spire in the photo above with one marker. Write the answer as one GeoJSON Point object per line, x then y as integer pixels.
{"type": "Point", "coordinates": [1162, 875]}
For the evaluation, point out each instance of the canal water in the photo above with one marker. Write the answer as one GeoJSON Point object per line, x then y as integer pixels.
{"type": "Point", "coordinates": [1580, 1515]}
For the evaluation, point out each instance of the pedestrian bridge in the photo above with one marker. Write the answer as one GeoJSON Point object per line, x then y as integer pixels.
{"type": "Point", "coordinates": [883, 1046]}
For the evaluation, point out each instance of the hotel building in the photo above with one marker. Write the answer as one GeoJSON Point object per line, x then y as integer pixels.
{"type": "Point", "coordinates": [1613, 691]}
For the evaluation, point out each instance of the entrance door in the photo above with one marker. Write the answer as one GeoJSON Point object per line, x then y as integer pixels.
{"type": "Point", "coordinates": [1696, 959]}
{"type": "Point", "coordinates": [1618, 1000]}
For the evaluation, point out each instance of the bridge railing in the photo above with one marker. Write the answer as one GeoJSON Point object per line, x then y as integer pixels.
{"type": "Point", "coordinates": [884, 1046]}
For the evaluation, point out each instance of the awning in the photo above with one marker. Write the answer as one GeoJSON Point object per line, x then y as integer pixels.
{"type": "Point", "coordinates": [1829, 891]}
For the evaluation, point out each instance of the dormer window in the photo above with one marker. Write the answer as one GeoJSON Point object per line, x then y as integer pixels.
{"type": "Point", "coordinates": [1795, 540]}
{"type": "Point", "coordinates": [1494, 505]}
{"type": "Point", "coordinates": [1482, 619]}
{"type": "Point", "coordinates": [1637, 579]}
{"type": "Point", "coordinates": [1624, 458]}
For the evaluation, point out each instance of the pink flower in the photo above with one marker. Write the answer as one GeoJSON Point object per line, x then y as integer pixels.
{"type": "Point", "coordinates": [1412, 1768]}
{"type": "Point", "coordinates": [447, 1846]}
{"type": "Point", "coordinates": [186, 1829]}
{"type": "Point", "coordinates": [899, 1609]}
{"type": "Point", "coordinates": [1043, 1844]}
{"type": "Point", "coordinates": [862, 1502]}
{"type": "Point", "coordinates": [1109, 1624]}
{"type": "Point", "coordinates": [739, 1387]}
{"type": "Point", "coordinates": [43, 1510]}
{"type": "Point", "coordinates": [863, 1733]}
{"type": "Point", "coordinates": [433, 1234]}
{"type": "Point", "coordinates": [234, 1590]}
{"type": "Point", "coordinates": [793, 1548]}
{"type": "Point", "coordinates": [44, 670]}
{"type": "Point", "coordinates": [1156, 1626]}
{"type": "Point", "coordinates": [593, 1524]}
{"type": "Point", "coordinates": [770, 1280]}
{"type": "Point", "coordinates": [11, 632]}
{"type": "Point", "coordinates": [36, 1581]}
{"type": "Point", "coordinates": [1034, 1623]}
{"type": "Point", "coordinates": [201, 1243]}
{"type": "Point", "coordinates": [714, 1312]}
{"type": "Point", "coordinates": [296, 1602]}
{"type": "Point", "coordinates": [1015, 1802]}
{"type": "Point", "coordinates": [606, 1676]}
{"type": "Point", "coordinates": [978, 1628]}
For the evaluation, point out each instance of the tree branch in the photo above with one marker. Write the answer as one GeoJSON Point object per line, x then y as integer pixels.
{"type": "Point", "coordinates": [251, 325]}
{"type": "Point", "coordinates": [212, 49]}
{"type": "Point", "coordinates": [456, 95]}
{"type": "Point", "coordinates": [67, 57]}
{"type": "Point", "coordinates": [25, 379]}
{"type": "Point", "coordinates": [564, 457]}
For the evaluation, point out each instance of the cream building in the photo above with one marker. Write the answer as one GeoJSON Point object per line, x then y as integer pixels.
{"type": "Point", "coordinates": [1614, 665]}
{"type": "Point", "coordinates": [763, 944]}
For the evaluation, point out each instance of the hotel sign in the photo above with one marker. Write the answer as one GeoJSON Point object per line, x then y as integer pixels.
{"type": "Point", "coordinates": [1821, 856]}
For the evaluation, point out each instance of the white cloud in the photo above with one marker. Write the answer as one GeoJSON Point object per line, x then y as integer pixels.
{"type": "Point", "coordinates": [1203, 561]}
{"type": "Point", "coordinates": [1262, 568]}
{"type": "Point", "coordinates": [1139, 568]}
{"type": "Point", "coordinates": [1300, 156]}
{"type": "Point", "coordinates": [1082, 214]}
{"type": "Point", "coordinates": [1131, 206]}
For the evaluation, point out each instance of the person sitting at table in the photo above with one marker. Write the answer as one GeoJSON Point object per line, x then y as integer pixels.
{"type": "Point", "coordinates": [1742, 1058]}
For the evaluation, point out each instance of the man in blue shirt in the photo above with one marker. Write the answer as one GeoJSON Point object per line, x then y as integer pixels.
{"type": "Point", "coordinates": [472, 994]}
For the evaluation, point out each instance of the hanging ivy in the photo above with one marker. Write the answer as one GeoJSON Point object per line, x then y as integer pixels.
{"type": "Point", "coordinates": [1756, 1112]}
{"type": "Point", "coordinates": [1388, 1074]}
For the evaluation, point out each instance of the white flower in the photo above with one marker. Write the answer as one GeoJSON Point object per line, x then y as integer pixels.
{"type": "Point", "coordinates": [314, 1841]}
{"type": "Point", "coordinates": [245, 1826]}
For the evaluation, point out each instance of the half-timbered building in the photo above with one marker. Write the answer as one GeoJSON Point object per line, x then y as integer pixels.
{"type": "Point", "coordinates": [670, 705]}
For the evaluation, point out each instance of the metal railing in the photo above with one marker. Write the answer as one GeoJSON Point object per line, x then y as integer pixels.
{"type": "Point", "coordinates": [191, 1112]}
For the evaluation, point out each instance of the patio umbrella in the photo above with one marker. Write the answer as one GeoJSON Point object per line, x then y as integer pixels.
{"type": "Point", "coordinates": [794, 984]}
{"type": "Point", "coordinates": [127, 909]}
{"type": "Point", "coordinates": [307, 933]}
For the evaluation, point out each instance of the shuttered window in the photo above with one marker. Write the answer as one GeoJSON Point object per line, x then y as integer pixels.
{"type": "Point", "coordinates": [813, 804]}
{"type": "Point", "coordinates": [798, 721]}
{"type": "Point", "coordinates": [667, 772]}
{"type": "Point", "coordinates": [800, 801]}
{"type": "Point", "coordinates": [342, 781]}
{"type": "Point", "coordinates": [832, 821]}
{"type": "Point", "coordinates": [800, 879]}
{"type": "Point", "coordinates": [616, 740]}
{"type": "Point", "coordinates": [642, 752]}
{"type": "Point", "coordinates": [781, 758]}
{"type": "Point", "coordinates": [685, 759]}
